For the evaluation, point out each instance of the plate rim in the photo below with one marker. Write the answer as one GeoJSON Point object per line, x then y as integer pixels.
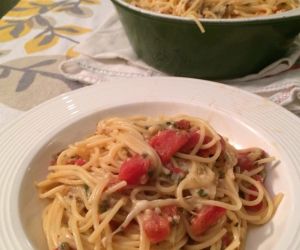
{"type": "Point", "coordinates": [9, 128]}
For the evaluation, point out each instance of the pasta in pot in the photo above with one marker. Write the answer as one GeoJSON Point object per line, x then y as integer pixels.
{"type": "Point", "coordinates": [154, 184]}
{"type": "Point", "coordinates": [217, 8]}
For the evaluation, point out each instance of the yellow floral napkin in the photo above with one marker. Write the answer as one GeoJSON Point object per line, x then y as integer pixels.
{"type": "Point", "coordinates": [35, 36]}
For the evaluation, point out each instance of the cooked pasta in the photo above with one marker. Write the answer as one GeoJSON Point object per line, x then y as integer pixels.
{"type": "Point", "coordinates": [155, 183]}
{"type": "Point", "coordinates": [217, 8]}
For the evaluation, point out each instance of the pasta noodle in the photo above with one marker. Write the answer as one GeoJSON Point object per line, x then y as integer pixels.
{"type": "Point", "coordinates": [217, 8]}
{"type": "Point", "coordinates": [144, 183]}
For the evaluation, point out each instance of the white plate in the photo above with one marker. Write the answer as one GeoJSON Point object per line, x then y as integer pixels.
{"type": "Point", "coordinates": [247, 120]}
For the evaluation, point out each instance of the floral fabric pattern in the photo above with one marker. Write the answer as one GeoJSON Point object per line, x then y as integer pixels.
{"type": "Point", "coordinates": [38, 24]}
{"type": "Point", "coordinates": [35, 37]}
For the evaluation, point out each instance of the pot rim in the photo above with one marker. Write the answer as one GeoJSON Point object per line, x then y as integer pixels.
{"type": "Point", "coordinates": [274, 17]}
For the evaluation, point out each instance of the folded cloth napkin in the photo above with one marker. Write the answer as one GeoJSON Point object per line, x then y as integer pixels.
{"type": "Point", "coordinates": [107, 54]}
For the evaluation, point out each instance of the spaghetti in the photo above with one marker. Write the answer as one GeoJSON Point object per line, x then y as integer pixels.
{"type": "Point", "coordinates": [217, 8]}
{"type": "Point", "coordinates": [155, 183]}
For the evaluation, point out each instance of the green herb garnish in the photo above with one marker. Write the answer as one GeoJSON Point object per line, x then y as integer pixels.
{"type": "Point", "coordinates": [150, 173]}
{"type": "Point", "coordinates": [144, 155]}
{"type": "Point", "coordinates": [86, 188]}
{"type": "Point", "coordinates": [104, 206]}
{"type": "Point", "coordinates": [168, 123]}
{"type": "Point", "coordinates": [64, 246]}
{"type": "Point", "coordinates": [221, 174]}
{"type": "Point", "coordinates": [202, 193]}
{"type": "Point", "coordinates": [173, 222]}
{"type": "Point", "coordinates": [263, 174]}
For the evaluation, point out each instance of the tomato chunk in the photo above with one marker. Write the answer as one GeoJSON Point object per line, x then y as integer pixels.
{"type": "Point", "coordinates": [156, 227]}
{"type": "Point", "coordinates": [80, 162]}
{"type": "Point", "coordinates": [182, 124]}
{"type": "Point", "coordinates": [207, 152]}
{"type": "Point", "coordinates": [255, 208]}
{"type": "Point", "coordinates": [168, 142]}
{"type": "Point", "coordinates": [169, 211]}
{"type": "Point", "coordinates": [77, 160]}
{"type": "Point", "coordinates": [173, 169]}
{"type": "Point", "coordinates": [226, 240]}
{"type": "Point", "coordinates": [134, 169]}
{"type": "Point", "coordinates": [246, 159]}
{"type": "Point", "coordinates": [191, 143]}
{"type": "Point", "coordinates": [207, 217]}
{"type": "Point", "coordinates": [250, 197]}
{"type": "Point", "coordinates": [244, 162]}
{"type": "Point", "coordinates": [113, 181]}
{"type": "Point", "coordinates": [259, 178]}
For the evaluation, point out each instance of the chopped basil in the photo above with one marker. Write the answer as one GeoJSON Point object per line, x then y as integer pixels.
{"type": "Point", "coordinates": [150, 173]}
{"type": "Point", "coordinates": [263, 174]}
{"type": "Point", "coordinates": [170, 124]}
{"type": "Point", "coordinates": [104, 206]}
{"type": "Point", "coordinates": [64, 246]}
{"type": "Point", "coordinates": [202, 193]}
{"type": "Point", "coordinates": [221, 174]}
{"type": "Point", "coordinates": [174, 222]}
{"type": "Point", "coordinates": [144, 155]}
{"type": "Point", "coordinates": [86, 188]}
{"type": "Point", "coordinates": [176, 177]}
{"type": "Point", "coordinates": [180, 177]}
{"type": "Point", "coordinates": [241, 194]}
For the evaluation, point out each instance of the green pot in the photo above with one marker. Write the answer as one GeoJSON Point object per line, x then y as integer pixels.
{"type": "Point", "coordinates": [229, 48]}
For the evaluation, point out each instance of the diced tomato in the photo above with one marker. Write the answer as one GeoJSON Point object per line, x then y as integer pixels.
{"type": "Point", "coordinates": [77, 161]}
{"type": "Point", "coordinates": [54, 158]}
{"type": "Point", "coordinates": [207, 139]}
{"type": "Point", "coordinates": [207, 217]}
{"type": "Point", "coordinates": [193, 140]}
{"type": "Point", "coordinates": [208, 151]}
{"type": "Point", "coordinates": [191, 143]}
{"type": "Point", "coordinates": [174, 169]}
{"type": "Point", "coordinates": [226, 240]}
{"type": "Point", "coordinates": [255, 208]}
{"type": "Point", "coordinates": [244, 162]}
{"type": "Point", "coordinates": [80, 162]}
{"type": "Point", "coordinates": [113, 181]}
{"type": "Point", "coordinates": [167, 142]}
{"type": "Point", "coordinates": [156, 227]}
{"type": "Point", "coordinates": [259, 178]}
{"type": "Point", "coordinates": [169, 211]}
{"type": "Point", "coordinates": [134, 169]}
{"type": "Point", "coordinates": [114, 225]}
{"type": "Point", "coordinates": [250, 197]}
{"type": "Point", "coordinates": [182, 124]}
